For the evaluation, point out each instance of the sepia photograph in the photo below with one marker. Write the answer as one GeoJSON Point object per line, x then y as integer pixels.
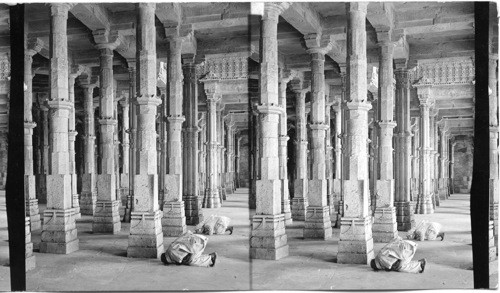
{"type": "Point", "coordinates": [237, 146]}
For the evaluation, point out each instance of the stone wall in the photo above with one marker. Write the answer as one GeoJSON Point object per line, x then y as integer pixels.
{"type": "Point", "coordinates": [463, 167]}
{"type": "Point", "coordinates": [244, 162]}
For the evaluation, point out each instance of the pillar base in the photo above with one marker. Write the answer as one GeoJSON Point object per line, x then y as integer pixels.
{"type": "Point", "coordinates": [356, 242]}
{"type": "Point", "coordinates": [285, 202]}
{"type": "Point", "coordinates": [212, 198]}
{"type": "Point", "coordinates": [146, 237]}
{"type": "Point", "coordinates": [269, 240]}
{"type": "Point", "coordinates": [222, 192]}
{"type": "Point", "coordinates": [494, 218]}
{"type": "Point", "coordinates": [76, 206]}
{"type": "Point", "coordinates": [425, 205]}
{"type": "Point", "coordinates": [87, 203]}
{"type": "Point", "coordinates": [333, 215]}
{"type": "Point", "coordinates": [59, 233]}
{"type": "Point", "coordinates": [194, 214]}
{"type": "Point", "coordinates": [41, 188]}
{"type": "Point", "coordinates": [30, 258]}
{"type": "Point", "coordinates": [491, 243]}
{"type": "Point", "coordinates": [405, 218]}
{"type": "Point", "coordinates": [106, 217]}
{"type": "Point", "coordinates": [299, 208]}
{"type": "Point", "coordinates": [384, 227]}
{"type": "Point", "coordinates": [34, 214]}
{"type": "Point", "coordinates": [318, 224]}
{"type": "Point", "coordinates": [174, 218]}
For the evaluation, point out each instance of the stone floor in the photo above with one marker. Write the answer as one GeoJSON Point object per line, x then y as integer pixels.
{"type": "Point", "coordinates": [101, 262]}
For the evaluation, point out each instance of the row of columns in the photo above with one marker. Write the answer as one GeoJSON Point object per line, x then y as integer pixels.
{"type": "Point", "coordinates": [342, 177]}
{"type": "Point", "coordinates": [103, 185]}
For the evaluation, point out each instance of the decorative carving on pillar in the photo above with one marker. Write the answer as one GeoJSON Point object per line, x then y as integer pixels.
{"type": "Point", "coordinates": [424, 201]}
{"type": "Point", "coordinates": [212, 195]}
{"type": "Point", "coordinates": [88, 196]}
{"type": "Point", "coordinates": [404, 213]}
{"type": "Point", "coordinates": [194, 214]}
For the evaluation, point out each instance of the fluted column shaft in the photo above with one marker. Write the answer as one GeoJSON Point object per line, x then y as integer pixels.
{"type": "Point", "coordinates": [191, 185]}
{"type": "Point", "coordinates": [424, 203]}
{"type": "Point", "coordinates": [89, 187]}
{"type": "Point", "coordinates": [355, 225]}
{"type": "Point", "coordinates": [403, 171]}
{"type": "Point", "coordinates": [212, 196]}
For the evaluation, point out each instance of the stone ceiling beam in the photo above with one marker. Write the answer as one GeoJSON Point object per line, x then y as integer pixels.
{"type": "Point", "coordinates": [435, 28]}
{"type": "Point", "coordinates": [93, 16]}
{"type": "Point", "coordinates": [169, 14]}
{"type": "Point", "coordinates": [381, 16]}
{"type": "Point", "coordinates": [303, 18]}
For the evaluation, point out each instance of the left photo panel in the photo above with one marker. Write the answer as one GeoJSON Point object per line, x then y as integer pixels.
{"type": "Point", "coordinates": [136, 146]}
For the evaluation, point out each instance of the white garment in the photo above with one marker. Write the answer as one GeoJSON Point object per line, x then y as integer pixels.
{"type": "Point", "coordinates": [397, 256]}
{"type": "Point", "coordinates": [189, 244]}
{"type": "Point", "coordinates": [213, 225]}
{"type": "Point", "coordinates": [425, 231]}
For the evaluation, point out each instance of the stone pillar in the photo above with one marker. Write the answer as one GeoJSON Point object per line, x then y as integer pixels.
{"type": "Point", "coordinates": [299, 201]}
{"type": "Point", "coordinates": [384, 226]}
{"type": "Point", "coordinates": [329, 165]}
{"type": "Point", "coordinates": [269, 240]}
{"type": "Point", "coordinates": [221, 152]}
{"type": "Point", "coordinates": [33, 46]}
{"type": "Point", "coordinates": [42, 187]}
{"type": "Point", "coordinates": [202, 139]}
{"type": "Point", "coordinates": [337, 179]}
{"type": "Point", "coordinates": [194, 214]}
{"type": "Point", "coordinates": [229, 153]}
{"type": "Point", "coordinates": [4, 144]}
{"type": "Point", "coordinates": [59, 234]}
{"type": "Point", "coordinates": [174, 219]}
{"type": "Point", "coordinates": [133, 139]}
{"type": "Point", "coordinates": [212, 195]}
{"type": "Point", "coordinates": [283, 146]}
{"type": "Point", "coordinates": [254, 132]}
{"type": "Point", "coordinates": [424, 201]}
{"type": "Point", "coordinates": [88, 196]}
{"type": "Point", "coordinates": [146, 237]}
{"type": "Point", "coordinates": [494, 153]}
{"type": "Point", "coordinates": [434, 139]}
{"type": "Point", "coordinates": [106, 215]}
{"type": "Point", "coordinates": [317, 223]}
{"type": "Point", "coordinates": [30, 262]}
{"type": "Point", "coordinates": [442, 189]}
{"type": "Point", "coordinates": [356, 242]}
{"type": "Point", "coordinates": [403, 173]}
{"type": "Point", "coordinates": [124, 176]}
{"type": "Point", "coordinates": [415, 163]}
{"type": "Point", "coordinates": [452, 165]}
{"type": "Point", "coordinates": [237, 161]}
{"type": "Point", "coordinates": [74, 72]}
